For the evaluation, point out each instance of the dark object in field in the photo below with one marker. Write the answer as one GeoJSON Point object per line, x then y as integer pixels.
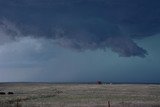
{"type": "Point", "coordinates": [99, 82]}
{"type": "Point", "coordinates": [2, 93]}
{"type": "Point", "coordinates": [109, 104]}
{"type": "Point", "coordinates": [10, 93]}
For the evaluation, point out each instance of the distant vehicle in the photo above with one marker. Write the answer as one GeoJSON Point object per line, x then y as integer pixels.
{"type": "Point", "coordinates": [2, 93]}
{"type": "Point", "coordinates": [99, 82]}
{"type": "Point", "coordinates": [10, 93]}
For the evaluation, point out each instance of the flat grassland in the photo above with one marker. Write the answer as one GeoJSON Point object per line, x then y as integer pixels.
{"type": "Point", "coordinates": [79, 95]}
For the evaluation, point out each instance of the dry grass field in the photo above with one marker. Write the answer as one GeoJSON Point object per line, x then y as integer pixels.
{"type": "Point", "coordinates": [79, 95]}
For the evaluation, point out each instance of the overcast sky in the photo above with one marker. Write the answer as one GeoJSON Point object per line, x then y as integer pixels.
{"type": "Point", "coordinates": [79, 40]}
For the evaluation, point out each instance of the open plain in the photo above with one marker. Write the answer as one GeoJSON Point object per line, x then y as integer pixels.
{"type": "Point", "coordinates": [79, 95]}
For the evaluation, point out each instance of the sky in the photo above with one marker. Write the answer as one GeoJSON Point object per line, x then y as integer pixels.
{"type": "Point", "coordinates": [79, 41]}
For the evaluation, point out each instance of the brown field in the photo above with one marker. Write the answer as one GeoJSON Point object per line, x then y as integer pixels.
{"type": "Point", "coordinates": [79, 95]}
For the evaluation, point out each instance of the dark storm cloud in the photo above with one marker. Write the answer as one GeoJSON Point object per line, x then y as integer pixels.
{"type": "Point", "coordinates": [84, 24]}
